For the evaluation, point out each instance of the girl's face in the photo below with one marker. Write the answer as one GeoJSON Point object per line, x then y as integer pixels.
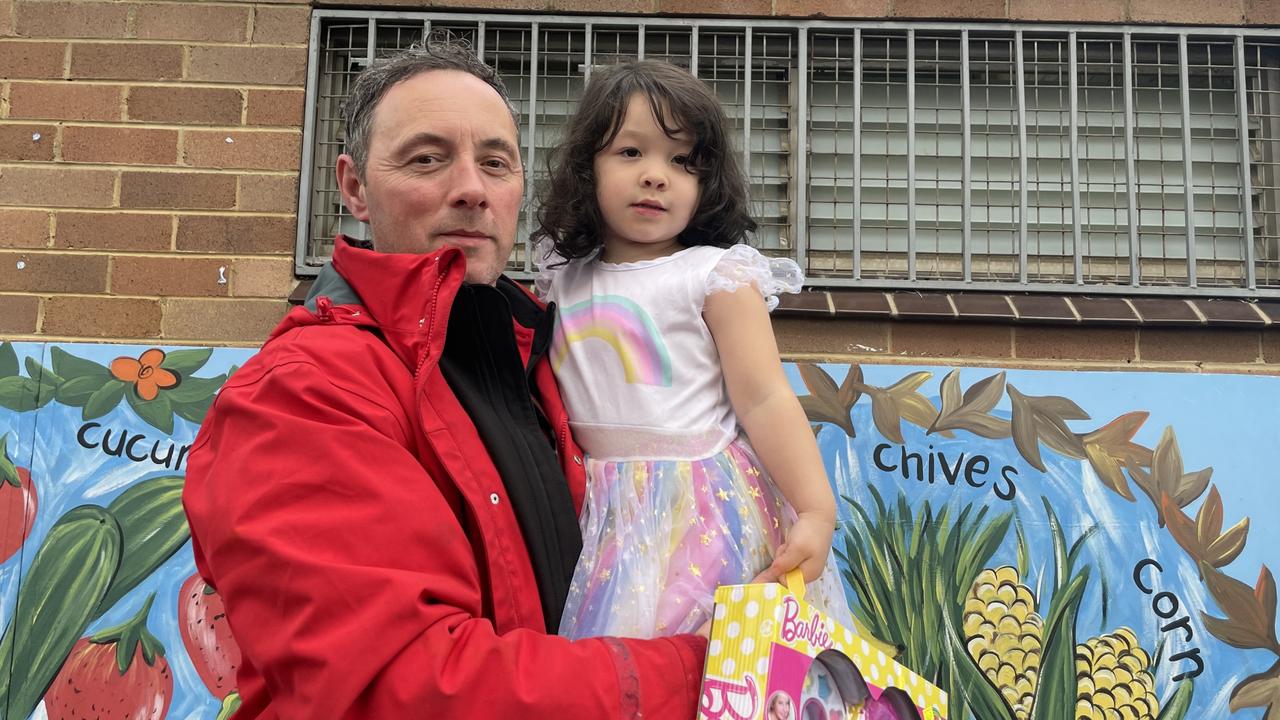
{"type": "Point", "coordinates": [780, 708]}
{"type": "Point", "coordinates": [644, 192]}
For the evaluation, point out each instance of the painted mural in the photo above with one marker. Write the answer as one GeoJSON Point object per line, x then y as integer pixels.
{"type": "Point", "coordinates": [1039, 544]}
{"type": "Point", "coordinates": [103, 613]}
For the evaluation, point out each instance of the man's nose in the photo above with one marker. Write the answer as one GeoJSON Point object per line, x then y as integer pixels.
{"type": "Point", "coordinates": [467, 189]}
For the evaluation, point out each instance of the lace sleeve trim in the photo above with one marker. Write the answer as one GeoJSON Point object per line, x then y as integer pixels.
{"type": "Point", "coordinates": [743, 265]}
{"type": "Point", "coordinates": [549, 264]}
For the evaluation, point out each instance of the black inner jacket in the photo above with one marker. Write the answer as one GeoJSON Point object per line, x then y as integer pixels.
{"type": "Point", "coordinates": [481, 362]}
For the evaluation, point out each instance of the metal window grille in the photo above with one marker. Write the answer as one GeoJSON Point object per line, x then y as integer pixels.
{"type": "Point", "coordinates": [911, 155]}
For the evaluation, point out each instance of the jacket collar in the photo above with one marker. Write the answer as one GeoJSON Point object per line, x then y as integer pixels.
{"type": "Point", "coordinates": [406, 296]}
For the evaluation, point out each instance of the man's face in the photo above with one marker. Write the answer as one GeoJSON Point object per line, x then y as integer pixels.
{"type": "Point", "coordinates": [443, 169]}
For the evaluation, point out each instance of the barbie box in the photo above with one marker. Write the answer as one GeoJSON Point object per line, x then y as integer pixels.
{"type": "Point", "coordinates": [775, 657]}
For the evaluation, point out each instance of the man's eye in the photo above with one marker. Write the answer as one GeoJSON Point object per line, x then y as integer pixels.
{"type": "Point", "coordinates": [496, 164]}
{"type": "Point", "coordinates": [425, 160]}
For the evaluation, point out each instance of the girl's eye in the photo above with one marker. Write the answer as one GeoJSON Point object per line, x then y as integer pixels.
{"type": "Point", "coordinates": [681, 160]}
{"type": "Point", "coordinates": [630, 152]}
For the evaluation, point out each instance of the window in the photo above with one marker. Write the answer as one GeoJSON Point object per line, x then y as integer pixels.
{"type": "Point", "coordinates": [1034, 157]}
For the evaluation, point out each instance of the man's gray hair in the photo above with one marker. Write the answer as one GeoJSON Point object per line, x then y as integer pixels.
{"type": "Point", "coordinates": [438, 52]}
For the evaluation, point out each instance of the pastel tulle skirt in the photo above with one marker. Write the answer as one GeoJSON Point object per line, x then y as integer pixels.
{"type": "Point", "coordinates": [658, 537]}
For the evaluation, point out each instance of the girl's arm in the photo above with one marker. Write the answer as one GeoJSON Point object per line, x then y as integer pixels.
{"type": "Point", "coordinates": [771, 415]}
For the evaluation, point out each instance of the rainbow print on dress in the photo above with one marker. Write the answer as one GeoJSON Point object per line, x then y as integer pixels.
{"type": "Point", "coordinates": [623, 325]}
{"type": "Point", "coordinates": [773, 656]}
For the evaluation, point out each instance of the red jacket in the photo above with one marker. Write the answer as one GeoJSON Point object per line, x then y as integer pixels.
{"type": "Point", "coordinates": [344, 506]}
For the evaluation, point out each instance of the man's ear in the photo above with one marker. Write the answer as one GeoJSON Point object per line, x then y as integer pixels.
{"type": "Point", "coordinates": [352, 188]}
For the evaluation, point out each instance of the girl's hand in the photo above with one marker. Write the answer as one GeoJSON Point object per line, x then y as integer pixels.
{"type": "Point", "coordinates": [807, 546]}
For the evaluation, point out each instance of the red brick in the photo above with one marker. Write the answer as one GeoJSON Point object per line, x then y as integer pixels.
{"type": "Point", "coordinates": [249, 65]}
{"type": "Point", "coordinates": [126, 61]}
{"type": "Point", "coordinates": [27, 142]}
{"type": "Point", "coordinates": [185, 105]}
{"type": "Point", "coordinates": [1075, 343]}
{"type": "Point", "coordinates": [57, 187]}
{"type": "Point", "coordinates": [19, 314]}
{"type": "Point", "coordinates": [1199, 345]}
{"type": "Point", "coordinates": [833, 8]}
{"type": "Point", "coordinates": [1271, 345]}
{"type": "Point", "coordinates": [45, 272]}
{"type": "Point", "coordinates": [113, 231]}
{"type": "Point", "coordinates": [125, 146]}
{"type": "Point", "coordinates": [191, 21]}
{"type": "Point", "coordinates": [1074, 11]}
{"type": "Point", "coordinates": [169, 276]}
{"type": "Point", "coordinates": [275, 107]}
{"type": "Point", "coordinates": [104, 317]}
{"type": "Point", "coordinates": [1262, 12]}
{"type": "Point", "coordinates": [282, 25]}
{"type": "Point", "coordinates": [268, 193]}
{"type": "Point", "coordinates": [236, 234]}
{"type": "Point", "coordinates": [976, 9]}
{"type": "Point", "coordinates": [24, 228]}
{"type": "Point", "coordinates": [6, 18]}
{"type": "Point", "coordinates": [830, 336]}
{"type": "Point", "coordinates": [72, 19]}
{"type": "Point", "coordinates": [1197, 12]}
{"type": "Point", "coordinates": [177, 190]}
{"type": "Point", "coordinates": [35, 60]}
{"type": "Point", "coordinates": [951, 340]}
{"type": "Point", "coordinates": [244, 150]}
{"type": "Point", "coordinates": [64, 101]}
{"type": "Point", "coordinates": [263, 277]}
{"type": "Point", "coordinates": [716, 7]}
{"type": "Point", "coordinates": [229, 319]}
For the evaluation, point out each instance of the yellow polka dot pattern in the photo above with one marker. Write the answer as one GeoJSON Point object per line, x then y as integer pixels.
{"type": "Point", "coordinates": [748, 621]}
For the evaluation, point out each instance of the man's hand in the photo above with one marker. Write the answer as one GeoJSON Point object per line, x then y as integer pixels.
{"type": "Point", "coordinates": [807, 546]}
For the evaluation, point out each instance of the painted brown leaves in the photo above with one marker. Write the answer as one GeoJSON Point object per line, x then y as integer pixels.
{"type": "Point", "coordinates": [1111, 450]}
{"type": "Point", "coordinates": [1042, 419]}
{"type": "Point", "coordinates": [827, 403]}
{"type": "Point", "coordinates": [1250, 611]}
{"type": "Point", "coordinates": [902, 401]}
{"type": "Point", "coordinates": [1203, 538]}
{"type": "Point", "coordinates": [972, 410]}
{"type": "Point", "coordinates": [1167, 478]}
{"type": "Point", "coordinates": [1260, 690]}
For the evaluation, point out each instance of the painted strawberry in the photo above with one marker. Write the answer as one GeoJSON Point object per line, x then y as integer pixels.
{"type": "Point", "coordinates": [203, 623]}
{"type": "Point", "coordinates": [117, 673]}
{"type": "Point", "coordinates": [18, 504]}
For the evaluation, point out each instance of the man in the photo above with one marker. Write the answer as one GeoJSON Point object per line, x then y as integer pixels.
{"type": "Point", "coordinates": [380, 494]}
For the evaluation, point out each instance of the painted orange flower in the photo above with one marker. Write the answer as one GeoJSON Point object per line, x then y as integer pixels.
{"type": "Point", "coordinates": [145, 373]}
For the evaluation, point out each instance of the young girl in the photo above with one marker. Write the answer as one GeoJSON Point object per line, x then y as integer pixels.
{"type": "Point", "coordinates": [665, 357]}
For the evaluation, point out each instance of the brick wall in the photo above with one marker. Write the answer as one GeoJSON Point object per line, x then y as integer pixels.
{"type": "Point", "coordinates": [149, 157]}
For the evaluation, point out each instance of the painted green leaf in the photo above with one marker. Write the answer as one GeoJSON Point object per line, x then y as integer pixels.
{"type": "Point", "coordinates": [8, 471]}
{"type": "Point", "coordinates": [77, 391]}
{"type": "Point", "coordinates": [1180, 703]}
{"type": "Point", "coordinates": [157, 413]}
{"type": "Point", "coordinates": [69, 575]}
{"type": "Point", "coordinates": [186, 362]}
{"type": "Point", "coordinates": [193, 412]}
{"type": "Point", "coordinates": [8, 360]}
{"type": "Point", "coordinates": [69, 366]}
{"type": "Point", "coordinates": [193, 389]}
{"type": "Point", "coordinates": [40, 373]}
{"type": "Point", "coordinates": [20, 394]}
{"type": "Point", "coordinates": [104, 399]}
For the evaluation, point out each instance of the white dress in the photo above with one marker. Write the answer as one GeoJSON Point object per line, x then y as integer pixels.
{"type": "Point", "coordinates": [676, 502]}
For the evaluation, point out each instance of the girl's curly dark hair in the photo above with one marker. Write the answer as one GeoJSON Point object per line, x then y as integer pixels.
{"type": "Point", "coordinates": [568, 213]}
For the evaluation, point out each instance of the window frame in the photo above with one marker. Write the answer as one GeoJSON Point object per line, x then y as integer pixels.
{"type": "Point", "coordinates": [802, 31]}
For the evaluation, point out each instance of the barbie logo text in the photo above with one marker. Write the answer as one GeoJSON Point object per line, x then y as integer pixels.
{"type": "Point", "coordinates": [722, 699]}
{"type": "Point", "coordinates": [815, 631]}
